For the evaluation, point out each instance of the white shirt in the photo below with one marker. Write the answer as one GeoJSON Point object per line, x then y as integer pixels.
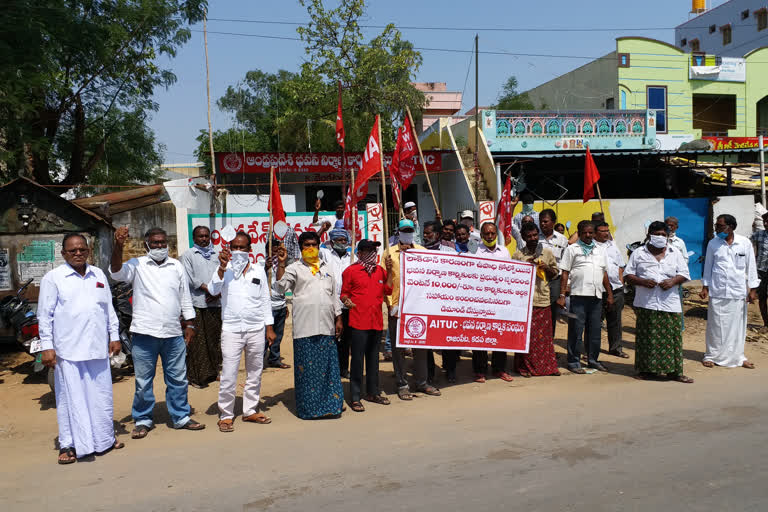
{"type": "Point", "coordinates": [518, 218]}
{"type": "Point", "coordinates": [160, 295]}
{"type": "Point", "coordinates": [557, 243]}
{"type": "Point", "coordinates": [614, 262]}
{"type": "Point", "coordinates": [498, 252]}
{"type": "Point", "coordinates": [277, 298]}
{"type": "Point", "coordinates": [644, 265]}
{"type": "Point", "coordinates": [728, 269]}
{"type": "Point", "coordinates": [75, 314]}
{"type": "Point", "coordinates": [679, 244]}
{"type": "Point", "coordinates": [337, 264]}
{"type": "Point", "coordinates": [245, 302]}
{"type": "Point", "coordinates": [585, 276]}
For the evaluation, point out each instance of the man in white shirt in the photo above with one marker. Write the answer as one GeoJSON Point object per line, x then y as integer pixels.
{"type": "Point", "coordinates": [160, 297]}
{"type": "Point", "coordinates": [279, 308]}
{"type": "Point", "coordinates": [584, 274]}
{"type": "Point", "coordinates": [730, 281]}
{"type": "Point", "coordinates": [679, 244]}
{"type": "Point", "coordinates": [79, 331]}
{"type": "Point", "coordinates": [337, 254]}
{"type": "Point", "coordinates": [557, 243]}
{"type": "Point", "coordinates": [615, 269]}
{"type": "Point", "coordinates": [490, 249]}
{"type": "Point", "coordinates": [246, 325]}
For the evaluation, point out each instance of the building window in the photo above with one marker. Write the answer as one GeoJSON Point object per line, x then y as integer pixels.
{"type": "Point", "coordinates": [657, 100]}
{"type": "Point", "coordinates": [712, 29]}
{"type": "Point", "coordinates": [762, 19]}
{"type": "Point", "coordinates": [623, 99]}
{"type": "Point", "coordinates": [726, 31]}
{"type": "Point", "coordinates": [610, 104]}
{"type": "Point", "coordinates": [745, 14]}
{"type": "Point", "coordinates": [683, 42]}
{"type": "Point", "coordinates": [695, 45]}
{"type": "Point", "coordinates": [623, 60]}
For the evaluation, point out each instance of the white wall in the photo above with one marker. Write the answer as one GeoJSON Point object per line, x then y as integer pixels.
{"type": "Point", "coordinates": [741, 207]}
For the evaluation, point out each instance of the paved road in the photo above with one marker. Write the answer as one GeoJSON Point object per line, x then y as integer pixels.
{"type": "Point", "coordinates": [592, 443]}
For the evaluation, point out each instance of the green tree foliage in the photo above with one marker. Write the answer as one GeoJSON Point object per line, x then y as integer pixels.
{"type": "Point", "coordinates": [76, 77]}
{"type": "Point", "coordinates": [511, 99]}
{"type": "Point", "coordinates": [375, 75]}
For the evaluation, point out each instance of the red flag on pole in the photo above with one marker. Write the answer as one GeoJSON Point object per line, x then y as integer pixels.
{"type": "Point", "coordinates": [504, 212]}
{"type": "Point", "coordinates": [339, 123]}
{"type": "Point", "coordinates": [402, 169]}
{"type": "Point", "coordinates": [369, 167]}
{"type": "Point", "coordinates": [275, 202]}
{"type": "Point", "coordinates": [591, 177]}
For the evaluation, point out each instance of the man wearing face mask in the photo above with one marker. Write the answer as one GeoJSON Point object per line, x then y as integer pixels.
{"type": "Point", "coordinates": [204, 353]}
{"type": "Point", "coordinates": [246, 327]}
{"type": "Point", "coordinates": [730, 281]}
{"type": "Point", "coordinates": [336, 253]}
{"type": "Point", "coordinates": [160, 297]}
{"type": "Point", "coordinates": [490, 249]}
{"type": "Point", "coordinates": [527, 199]}
{"type": "Point", "coordinates": [409, 209]}
{"type": "Point", "coordinates": [420, 368]}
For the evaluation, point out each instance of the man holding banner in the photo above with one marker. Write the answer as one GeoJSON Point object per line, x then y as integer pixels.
{"type": "Point", "coordinates": [490, 249]}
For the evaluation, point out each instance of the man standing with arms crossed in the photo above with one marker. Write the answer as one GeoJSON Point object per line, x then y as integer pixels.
{"type": "Point", "coordinates": [160, 297]}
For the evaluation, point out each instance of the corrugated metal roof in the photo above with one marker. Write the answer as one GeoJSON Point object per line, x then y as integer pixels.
{"type": "Point", "coordinates": [597, 154]}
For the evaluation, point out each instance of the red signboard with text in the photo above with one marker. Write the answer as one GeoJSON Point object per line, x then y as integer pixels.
{"type": "Point", "coordinates": [234, 163]}
{"type": "Point", "coordinates": [721, 143]}
{"type": "Point", "coordinates": [464, 302]}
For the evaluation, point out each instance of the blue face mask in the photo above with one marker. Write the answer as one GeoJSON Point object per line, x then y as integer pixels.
{"type": "Point", "coordinates": [722, 235]}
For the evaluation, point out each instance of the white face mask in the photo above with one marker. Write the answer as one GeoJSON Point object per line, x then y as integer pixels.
{"type": "Point", "coordinates": [239, 261]}
{"type": "Point", "coordinates": [406, 238]}
{"type": "Point", "coordinates": [158, 255]}
{"type": "Point", "coordinates": [658, 241]}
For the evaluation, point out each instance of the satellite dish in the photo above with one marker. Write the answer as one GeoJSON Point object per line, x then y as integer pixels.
{"type": "Point", "coordinates": [280, 229]}
{"type": "Point", "coordinates": [320, 194]}
{"type": "Point", "coordinates": [228, 233]}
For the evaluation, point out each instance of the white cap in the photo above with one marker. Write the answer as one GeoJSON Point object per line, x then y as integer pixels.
{"type": "Point", "coordinates": [409, 204]}
{"type": "Point", "coordinates": [468, 214]}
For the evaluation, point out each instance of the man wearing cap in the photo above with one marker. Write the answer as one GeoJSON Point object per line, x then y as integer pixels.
{"type": "Point", "coordinates": [364, 286]}
{"type": "Point", "coordinates": [409, 209]}
{"type": "Point", "coordinates": [493, 250]}
{"type": "Point", "coordinates": [468, 219]}
{"type": "Point", "coordinates": [336, 253]}
{"type": "Point", "coordinates": [405, 242]}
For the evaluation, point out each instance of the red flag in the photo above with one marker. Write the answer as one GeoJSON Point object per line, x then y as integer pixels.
{"type": "Point", "coordinates": [504, 212]}
{"type": "Point", "coordinates": [591, 177]}
{"type": "Point", "coordinates": [371, 164]}
{"type": "Point", "coordinates": [275, 202]}
{"type": "Point", "coordinates": [403, 168]}
{"type": "Point", "coordinates": [350, 209]}
{"type": "Point", "coordinates": [339, 123]}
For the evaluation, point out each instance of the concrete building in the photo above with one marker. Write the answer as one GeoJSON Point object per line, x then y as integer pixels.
{"type": "Point", "coordinates": [692, 95]}
{"type": "Point", "coordinates": [440, 102]}
{"type": "Point", "coordinates": [731, 29]}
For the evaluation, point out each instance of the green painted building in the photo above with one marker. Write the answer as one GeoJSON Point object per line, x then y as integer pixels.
{"type": "Point", "coordinates": [694, 95]}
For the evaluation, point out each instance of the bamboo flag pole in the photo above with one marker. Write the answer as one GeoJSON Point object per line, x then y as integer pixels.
{"type": "Point", "coordinates": [212, 211]}
{"type": "Point", "coordinates": [383, 189]}
{"type": "Point", "coordinates": [423, 163]}
{"type": "Point", "coordinates": [600, 197]}
{"type": "Point", "coordinates": [271, 221]}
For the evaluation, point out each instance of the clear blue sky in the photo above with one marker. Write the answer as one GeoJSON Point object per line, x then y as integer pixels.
{"type": "Point", "coordinates": [183, 106]}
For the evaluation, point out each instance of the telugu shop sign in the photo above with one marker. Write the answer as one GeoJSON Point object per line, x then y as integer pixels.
{"type": "Point", "coordinates": [720, 143]}
{"type": "Point", "coordinates": [234, 163]}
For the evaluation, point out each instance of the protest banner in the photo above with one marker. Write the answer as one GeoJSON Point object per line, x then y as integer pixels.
{"type": "Point", "coordinates": [257, 226]}
{"type": "Point", "coordinates": [464, 302]}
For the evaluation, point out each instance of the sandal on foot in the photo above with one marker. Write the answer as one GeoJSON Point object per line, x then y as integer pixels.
{"type": "Point", "coordinates": [503, 376]}
{"type": "Point", "coordinates": [682, 378]}
{"type": "Point", "coordinates": [378, 399]}
{"type": "Point", "coordinates": [578, 371]}
{"type": "Point", "coordinates": [708, 364]}
{"type": "Point", "coordinates": [431, 391]}
{"type": "Point", "coordinates": [357, 406]}
{"type": "Point", "coordinates": [119, 445]}
{"type": "Point", "coordinates": [621, 354]}
{"type": "Point", "coordinates": [404, 394]}
{"type": "Point", "coordinates": [70, 456]}
{"type": "Point", "coordinates": [258, 417]}
{"type": "Point", "coordinates": [479, 378]}
{"type": "Point", "coordinates": [226, 425]}
{"type": "Point", "coordinates": [748, 365]}
{"type": "Point", "coordinates": [193, 425]}
{"type": "Point", "coordinates": [524, 373]}
{"type": "Point", "coordinates": [140, 432]}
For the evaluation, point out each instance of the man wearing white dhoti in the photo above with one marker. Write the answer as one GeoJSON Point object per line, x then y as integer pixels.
{"type": "Point", "coordinates": [78, 330]}
{"type": "Point", "coordinates": [730, 281]}
{"type": "Point", "coordinates": [246, 326]}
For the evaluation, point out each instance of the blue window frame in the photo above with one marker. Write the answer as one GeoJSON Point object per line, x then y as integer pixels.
{"type": "Point", "coordinates": [657, 100]}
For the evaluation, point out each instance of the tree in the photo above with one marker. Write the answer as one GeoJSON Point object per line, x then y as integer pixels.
{"type": "Point", "coordinates": [287, 110]}
{"type": "Point", "coordinates": [76, 77]}
{"type": "Point", "coordinates": [511, 99]}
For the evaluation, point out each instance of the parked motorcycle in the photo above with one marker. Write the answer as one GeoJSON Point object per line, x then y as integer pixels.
{"type": "Point", "coordinates": [17, 313]}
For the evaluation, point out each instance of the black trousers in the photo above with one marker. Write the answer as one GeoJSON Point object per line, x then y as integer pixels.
{"type": "Point", "coordinates": [450, 359]}
{"type": "Point", "coordinates": [365, 349]}
{"type": "Point", "coordinates": [480, 361]}
{"type": "Point", "coordinates": [342, 344]}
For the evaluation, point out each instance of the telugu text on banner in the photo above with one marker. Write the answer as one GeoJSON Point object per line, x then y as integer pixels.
{"type": "Point", "coordinates": [464, 302]}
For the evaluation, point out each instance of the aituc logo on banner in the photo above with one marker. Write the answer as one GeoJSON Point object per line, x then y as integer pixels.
{"type": "Point", "coordinates": [416, 327]}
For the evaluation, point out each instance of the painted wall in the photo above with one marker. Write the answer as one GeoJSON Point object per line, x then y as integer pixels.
{"type": "Point", "coordinates": [587, 87]}
{"type": "Point", "coordinates": [744, 34]}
